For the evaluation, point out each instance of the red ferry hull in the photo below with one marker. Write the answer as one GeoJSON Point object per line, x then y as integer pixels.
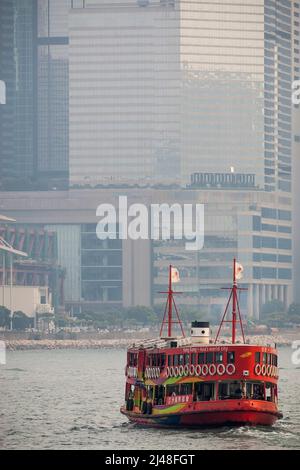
{"type": "Point", "coordinates": [255, 414]}
{"type": "Point", "coordinates": [237, 418]}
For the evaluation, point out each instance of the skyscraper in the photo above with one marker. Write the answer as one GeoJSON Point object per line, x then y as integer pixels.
{"type": "Point", "coordinates": [17, 116]}
{"type": "Point", "coordinates": [296, 154]}
{"type": "Point", "coordinates": [124, 93]}
{"type": "Point", "coordinates": [176, 87]}
{"type": "Point", "coordinates": [52, 88]}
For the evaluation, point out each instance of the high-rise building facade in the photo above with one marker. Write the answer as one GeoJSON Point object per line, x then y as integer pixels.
{"type": "Point", "coordinates": [124, 93]}
{"type": "Point", "coordinates": [296, 154]}
{"type": "Point", "coordinates": [253, 225]}
{"type": "Point", "coordinates": [175, 87]}
{"type": "Point", "coordinates": [53, 88]}
{"type": "Point", "coordinates": [17, 116]}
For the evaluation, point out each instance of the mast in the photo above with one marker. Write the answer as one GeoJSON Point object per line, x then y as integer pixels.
{"type": "Point", "coordinates": [235, 309]}
{"type": "Point", "coordinates": [234, 302]}
{"type": "Point", "coordinates": [170, 303]}
{"type": "Point", "coordinates": [168, 313]}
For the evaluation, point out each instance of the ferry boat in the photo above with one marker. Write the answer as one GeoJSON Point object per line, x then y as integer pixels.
{"type": "Point", "coordinates": [196, 381]}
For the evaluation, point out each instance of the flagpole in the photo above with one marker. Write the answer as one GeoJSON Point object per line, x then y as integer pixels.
{"type": "Point", "coordinates": [170, 303]}
{"type": "Point", "coordinates": [234, 295]}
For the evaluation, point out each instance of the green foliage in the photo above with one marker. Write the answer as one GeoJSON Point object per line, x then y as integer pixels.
{"type": "Point", "coordinates": [272, 307]}
{"type": "Point", "coordinates": [294, 310]}
{"type": "Point", "coordinates": [141, 315]}
{"type": "Point", "coordinates": [136, 316]}
{"type": "Point", "coordinates": [21, 321]}
{"type": "Point", "coordinates": [4, 317]}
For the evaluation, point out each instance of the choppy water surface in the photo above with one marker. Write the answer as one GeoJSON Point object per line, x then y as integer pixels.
{"type": "Point", "coordinates": [70, 399]}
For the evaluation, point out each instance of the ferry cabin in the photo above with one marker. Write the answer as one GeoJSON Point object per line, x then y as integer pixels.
{"type": "Point", "coordinates": [163, 377]}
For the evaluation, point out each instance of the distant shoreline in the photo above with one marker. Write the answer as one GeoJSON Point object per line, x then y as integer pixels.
{"type": "Point", "coordinates": [120, 343]}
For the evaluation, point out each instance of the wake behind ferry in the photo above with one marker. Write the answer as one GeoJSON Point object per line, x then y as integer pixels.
{"type": "Point", "coordinates": [196, 381]}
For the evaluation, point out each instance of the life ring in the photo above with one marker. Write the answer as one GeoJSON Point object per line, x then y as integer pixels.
{"type": "Point", "coordinates": [180, 371]}
{"type": "Point", "coordinates": [176, 371]}
{"type": "Point", "coordinates": [212, 369]}
{"type": "Point", "coordinates": [171, 371]}
{"type": "Point", "coordinates": [186, 370]}
{"type": "Point", "coordinates": [158, 372]}
{"type": "Point", "coordinates": [168, 371]}
{"type": "Point", "coordinates": [230, 369]}
{"type": "Point", "coordinates": [221, 369]}
{"type": "Point", "coordinates": [257, 369]}
{"type": "Point", "coordinates": [273, 371]}
{"type": "Point", "coordinates": [198, 370]}
{"type": "Point", "coordinates": [192, 369]}
{"type": "Point", "coordinates": [269, 370]}
{"type": "Point", "coordinates": [264, 369]}
{"type": "Point", "coordinates": [205, 369]}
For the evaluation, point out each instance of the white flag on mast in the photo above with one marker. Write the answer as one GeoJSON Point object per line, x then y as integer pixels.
{"type": "Point", "coordinates": [175, 275]}
{"type": "Point", "coordinates": [239, 269]}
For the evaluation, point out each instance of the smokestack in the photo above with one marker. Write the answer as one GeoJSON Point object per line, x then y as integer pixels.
{"type": "Point", "coordinates": [200, 332]}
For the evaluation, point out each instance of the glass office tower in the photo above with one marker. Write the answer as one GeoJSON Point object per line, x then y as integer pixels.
{"type": "Point", "coordinates": [53, 87]}
{"type": "Point", "coordinates": [183, 87]}
{"type": "Point", "coordinates": [17, 116]}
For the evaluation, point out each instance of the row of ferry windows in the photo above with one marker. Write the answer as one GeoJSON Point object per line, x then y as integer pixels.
{"type": "Point", "coordinates": [159, 360]}
{"type": "Point", "coordinates": [266, 358]}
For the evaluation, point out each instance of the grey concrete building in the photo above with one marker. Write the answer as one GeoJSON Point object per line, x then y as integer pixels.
{"type": "Point", "coordinates": [253, 225]}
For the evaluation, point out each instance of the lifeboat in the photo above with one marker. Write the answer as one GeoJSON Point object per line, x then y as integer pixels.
{"type": "Point", "coordinates": [196, 381]}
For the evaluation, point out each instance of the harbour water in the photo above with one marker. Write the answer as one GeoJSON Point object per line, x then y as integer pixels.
{"type": "Point", "coordinates": [69, 399]}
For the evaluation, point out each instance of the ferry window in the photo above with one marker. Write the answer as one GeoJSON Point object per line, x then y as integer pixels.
{"type": "Point", "coordinates": [181, 360]}
{"type": "Point", "coordinates": [172, 390]}
{"type": "Point", "coordinates": [223, 391]}
{"type": "Point", "coordinates": [219, 357]}
{"type": "Point", "coordinates": [249, 390]}
{"type": "Point", "coordinates": [170, 361]}
{"type": "Point", "coordinates": [163, 360]}
{"type": "Point", "coordinates": [230, 357]}
{"type": "Point", "coordinates": [176, 360]}
{"type": "Point", "coordinates": [269, 359]}
{"type": "Point", "coordinates": [265, 358]}
{"type": "Point", "coordinates": [235, 390]}
{"type": "Point", "coordinates": [201, 358]}
{"type": "Point", "coordinates": [204, 391]}
{"type": "Point", "coordinates": [210, 357]}
{"type": "Point", "coordinates": [194, 357]}
{"type": "Point", "coordinates": [132, 360]}
{"type": "Point", "coordinates": [255, 391]}
{"type": "Point", "coordinates": [257, 357]}
{"type": "Point", "coordinates": [186, 359]}
{"type": "Point", "coordinates": [275, 360]}
{"type": "Point", "coordinates": [186, 389]}
{"type": "Point", "coordinates": [268, 391]}
{"type": "Point", "coordinates": [258, 392]}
